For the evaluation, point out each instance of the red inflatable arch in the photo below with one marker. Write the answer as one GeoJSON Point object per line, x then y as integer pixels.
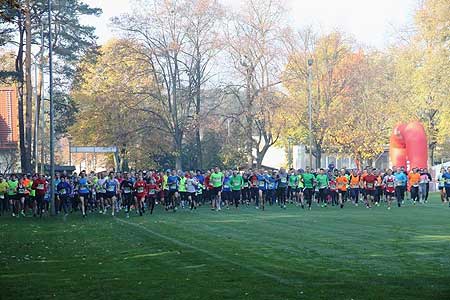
{"type": "Point", "coordinates": [409, 143]}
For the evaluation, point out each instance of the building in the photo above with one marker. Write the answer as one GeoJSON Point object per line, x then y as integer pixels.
{"type": "Point", "coordinates": [9, 136]}
{"type": "Point", "coordinates": [8, 118]}
{"type": "Point", "coordinates": [277, 157]}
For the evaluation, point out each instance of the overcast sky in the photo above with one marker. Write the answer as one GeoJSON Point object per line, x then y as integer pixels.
{"type": "Point", "coordinates": [371, 22]}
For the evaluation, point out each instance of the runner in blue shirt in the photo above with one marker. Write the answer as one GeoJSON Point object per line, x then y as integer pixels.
{"type": "Point", "coordinates": [226, 190]}
{"type": "Point", "coordinates": [262, 187]}
{"type": "Point", "coordinates": [173, 182]}
{"type": "Point", "coordinates": [446, 177]}
{"type": "Point", "coordinates": [64, 189]}
{"type": "Point", "coordinates": [400, 186]}
{"type": "Point", "coordinates": [271, 188]}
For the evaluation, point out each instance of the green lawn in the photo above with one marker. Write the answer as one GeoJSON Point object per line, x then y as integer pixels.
{"type": "Point", "coordinates": [326, 253]}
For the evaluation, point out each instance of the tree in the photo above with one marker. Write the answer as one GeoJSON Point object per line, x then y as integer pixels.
{"type": "Point", "coordinates": [332, 78]}
{"type": "Point", "coordinates": [22, 22]}
{"type": "Point", "coordinates": [203, 38]}
{"type": "Point", "coordinates": [255, 48]}
{"type": "Point", "coordinates": [365, 114]}
{"type": "Point", "coordinates": [107, 114]}
{"type": "Point", "coordinates": [176, 56]}
{"type": "Point", "coordinates": [422, 69]}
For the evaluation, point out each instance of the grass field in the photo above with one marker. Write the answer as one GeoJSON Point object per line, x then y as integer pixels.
{"type": "Point", "coordinates": [326, 253]}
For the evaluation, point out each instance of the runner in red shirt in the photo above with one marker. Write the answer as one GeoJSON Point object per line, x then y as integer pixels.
{"type": "Point", "coordinates": [40, 186]}
{"type": "Point", "coordinates": [369, 182]}
{"type": "Point", "coordinates": [333, 190]}
{"type": "Point", "coordinates": [152, 190]}
{"type": "Point", "coordinates": [253, 180]}
{"type": "Point", "coordinates": [389, 184]}
{"type": "Point", "coordinates": [140, 186]}
{"type": "Point", "coordinates": [208, 187]}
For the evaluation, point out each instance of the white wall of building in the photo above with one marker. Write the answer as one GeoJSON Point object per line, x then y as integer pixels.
{"type": "Point", "coordinates": [276, 157]}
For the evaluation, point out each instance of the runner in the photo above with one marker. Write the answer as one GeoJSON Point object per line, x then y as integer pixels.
{"type": "Point", "coordinates": [216, 180]}
{"type": "Point", "coordinates": [424, 185]}
{"type": "Point", "coordinates": [262, 187]}
{"type": "Point", "coordinates": [161, 182]}
{"type": "Point", "coordinates": [226, 190]}
{"type": "Point", "coordinates": [140, 186]}
{"type": "Point", "coordinates": [378, 187]}
{"type": "Point", "coordinates": [63, 190]}
{"type": "Point", "coordinates": [152, 189]}
{"type": "Point", "coordinates": [441, 184]}
{"type": "Point", "coordinates": [83, 192]}
{"type": "Point", "coordinates": [300, 188]}
{"type": "Point", "coordinates": [173, 181]}
{"type": "Point", "coordinates": [31, 194]}
{"type": "Point", "coordinates": [292, 186]}
{"type": "Point", "coordinates": [182, 188]}
{"type": "Point", "coordinates": [192, 185]}
{"type": "Point", "coordinates": [400, 185]}
{"type": "Point", "coordinates": [333, 188]}
{"type": "Point", "coordinates": [101, 193]}
{"type": "Point", "coordinates": [446, 176]}
{"type": "Point", "coordinates": [126, 188]}
{"type": "Point", "coordinates": [308, 181]}
{"type": "Point", "coordinates": [93, 201]}
{"type": "Point", "coordinates": [271, 188]}
{"type": "Point", "coordinates": [322, 185]}
{"type": "Point", "coordinates": [355, 185]}
{"type": "Point", "coordinates": [342, 182]}
{"type": "Point", "coordinates": [246, 188]}
{"type": "Point", "coordinates": [389, 183]}
{"type": "Point", "coordinates": [414, 179]}
{"type": "Point", "coordinates": [253, 183]}
{"type": "Point", "coordinates": [369, 184]}
{"type": "Point", "coordinates": [40, 186]}
{"type": "Point", "coordinates": [237, 184]}
{"type": "Point", "coordinates": [199, 193]}
{"type": "Point", "coordinates": [22, 195]}
{"type": "Point", "coordinates": [282, 182]}
{"type": "Point", "coordinates": [12, 193]}
{"type": "Point", "coordinates": [3, 197]}
{"type": "Point", "coordinates": [208, 189]}
{"type": "Point", "coordinates": [111, 186]}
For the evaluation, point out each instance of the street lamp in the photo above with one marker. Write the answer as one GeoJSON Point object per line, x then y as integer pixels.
{"type": "Point", "coordinates": [310, 63]}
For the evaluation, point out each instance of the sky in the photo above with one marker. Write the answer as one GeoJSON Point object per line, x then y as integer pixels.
{"type": "Point", "coordinates": [371, 22]}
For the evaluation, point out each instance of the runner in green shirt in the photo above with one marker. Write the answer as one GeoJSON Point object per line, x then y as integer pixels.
{"type": "Point", "coordinates": [292, 186]}
{"type": "Point", "coordinates": [322, 184]}
{"type": "Point", "coordinates": [182, 188]}
{"type": "Point", "coordinates": [12, 192]}
{"type": "Point", "coordinates": [236, 183]}
{"type": "Point", "coordinates": [308, 181]}
{"type": "Point", "coordinates": [3, 190]}
{"type": "Point", "coordinates": [216, 180]}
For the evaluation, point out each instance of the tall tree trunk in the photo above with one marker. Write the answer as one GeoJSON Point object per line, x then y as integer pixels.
{"type": "Point", "coordinates": [198, 141]}
{"type": "Point", "coordinates": [249, 121]}
{"type": "Point", "coordinates": [37, 120]}
{"type": "Point", "coordinates": [432, 147]}
{"type": "Point", "coordinates": [20, 88]}
{"type": "Point", "coordinates": [249, 140]}
{"type": "Point", "coordinates": [178, 149]}
{"type": "Point", "coordinates": [318, 156]}
{"type": "Point", "coordinates": [178, 134]}
{"type": "Point", "coordinates": [29, 88]}
{"type": "Point", "coordinates": [261, 154]}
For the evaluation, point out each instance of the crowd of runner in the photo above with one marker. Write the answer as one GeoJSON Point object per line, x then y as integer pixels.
{"type": "Point", "coordinates": [142, 191]}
